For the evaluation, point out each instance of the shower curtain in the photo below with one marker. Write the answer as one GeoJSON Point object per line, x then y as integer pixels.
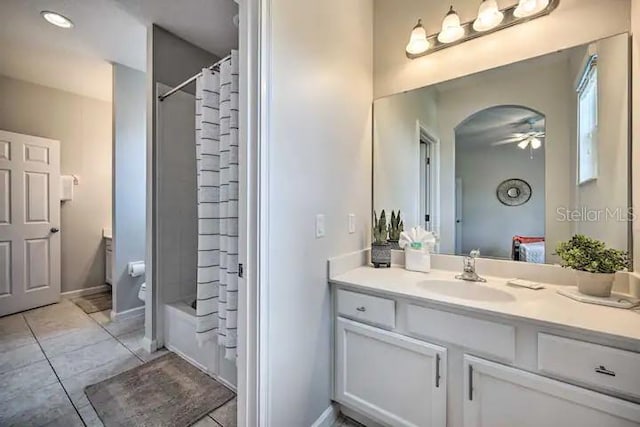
{"type": "Point", "coordinates": [217, 169]}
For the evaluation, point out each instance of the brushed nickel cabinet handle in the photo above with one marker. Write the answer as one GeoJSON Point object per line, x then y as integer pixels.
{"type": "Point", "coordinates": [602, 370]}
{"type": "Point", "coordinates": [470, 382]}
{"type": "Point", "coordinates": [437, 370]}
{"type": "Point", "coordinates": [361, 309]}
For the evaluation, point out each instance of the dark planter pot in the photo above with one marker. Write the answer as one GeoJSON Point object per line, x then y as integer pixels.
{"type": "Point", "coordinates": [381, 255]}
{"type": "Point", "coordinates": [394, 245]}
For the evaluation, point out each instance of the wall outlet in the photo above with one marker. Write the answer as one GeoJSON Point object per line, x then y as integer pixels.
{"type": "Point", "coordinates": [352, 223]}
{"type": "Point", "coordinates": [320, 226]}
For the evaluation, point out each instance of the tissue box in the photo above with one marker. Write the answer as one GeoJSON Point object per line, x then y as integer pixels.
{"type": "Point", "coordinates": [417, 259]}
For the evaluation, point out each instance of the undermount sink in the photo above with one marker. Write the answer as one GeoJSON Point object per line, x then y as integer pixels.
{"type": "Point", "coordinates": [466, 290]}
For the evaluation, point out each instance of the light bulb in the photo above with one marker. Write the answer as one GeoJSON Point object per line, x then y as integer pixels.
{"type": "Point", "coordinates": [451, 29]}
{"type": "Point", "coordinates": [418, 42]}
{"type": "Point", "coordinates": [523, 144]}
{"type": "Point", "coordinates": [529, 7]}
{"type": "Point", "coordinates": [489, 16]}
{"type": "Point", "coordinates": [535, 143]}
{"type": "Point", "coordinates": [56, 19]}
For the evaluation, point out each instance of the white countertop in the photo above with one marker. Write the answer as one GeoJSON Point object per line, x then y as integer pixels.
{"type": "Point", "coordinates": [497, 298]}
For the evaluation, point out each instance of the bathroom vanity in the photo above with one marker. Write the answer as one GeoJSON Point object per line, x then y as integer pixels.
{"type": "Point", "coordinates": [416, 349]}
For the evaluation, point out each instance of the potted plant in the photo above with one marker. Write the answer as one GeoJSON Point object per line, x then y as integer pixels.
{"type": "Point", "coordinates": [395, 228]}
{"type": "Point", "coordinates": [380, 247]}
{"type": "Point", "coordinates": [595, 264]}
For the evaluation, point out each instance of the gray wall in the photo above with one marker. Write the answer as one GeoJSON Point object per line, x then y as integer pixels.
{"type": "Point", "coordinates": [83, 127]}
{"type": "Point", "coordinates": [487, 224]}
{"type": "Point", "coordinates": [129, 153]}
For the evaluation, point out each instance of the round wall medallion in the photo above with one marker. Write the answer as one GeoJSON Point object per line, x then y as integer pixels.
{"type": "Point", "coordinates": [513, 192]}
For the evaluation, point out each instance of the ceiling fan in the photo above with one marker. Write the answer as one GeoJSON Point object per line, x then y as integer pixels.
{"type": "Point", "coordinates": [531, 139]}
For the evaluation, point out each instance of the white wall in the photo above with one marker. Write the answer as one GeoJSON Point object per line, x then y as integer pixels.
{"type": "Point", "coordinates": [611, 189]}
{"type": "Point", "coordinates": [635, 128]}
{"type": "Point", "coordinates": [129, 182]}
{"type": "Point", "coordinates": [574, 22]}
{"type": "Point", "coordinates": [319, 57]}
{"type": "Point", "coordinates": [83, 127]}
{"type": "Point", "coordinates": [396, 148]}
{"type": "Point", "coordinates": [487, 224]}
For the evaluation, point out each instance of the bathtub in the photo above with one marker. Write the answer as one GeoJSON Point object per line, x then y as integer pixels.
{"type": "Point", "coordinates": [180, 337]}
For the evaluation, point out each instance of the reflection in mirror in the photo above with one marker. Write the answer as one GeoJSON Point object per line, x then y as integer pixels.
{"type": "Point", "coordinates": [515, 159]}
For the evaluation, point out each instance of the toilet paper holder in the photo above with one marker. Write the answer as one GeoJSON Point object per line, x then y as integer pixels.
{"type": "Point", "coordinates": [136, 268]}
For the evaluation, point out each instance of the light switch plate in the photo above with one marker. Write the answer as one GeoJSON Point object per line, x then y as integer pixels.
{"type": "Point", "coordinates": [352, 223]}
{"type": "Point", "coordinates": [320, 226]}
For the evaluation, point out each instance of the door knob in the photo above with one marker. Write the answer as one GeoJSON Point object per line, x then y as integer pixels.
{"type": "Point", "coordinates": [54, 230]}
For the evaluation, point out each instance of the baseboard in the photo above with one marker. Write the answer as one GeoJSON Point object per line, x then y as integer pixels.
{"type": "Point", "coordinates": [149, 345]}
{"type": "Point", "coordinates": [84, 292]}
{"type": "Point", "coordinates": [328, 417]}
{"type": "Point", "coordinates": [138, 311]}
{"type": "Point", "coordinates": [357, 416]}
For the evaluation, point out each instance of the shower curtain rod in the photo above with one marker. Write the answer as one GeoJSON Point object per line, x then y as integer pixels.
{"type": "Point", "coordinates": [186, 82]}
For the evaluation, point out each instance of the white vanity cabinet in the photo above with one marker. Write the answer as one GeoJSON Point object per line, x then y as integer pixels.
{"type": "Point", "coordinates": [501, 396]}
{"type": "Point", "coordinates": [395, 379]}
{"type": "Point", "coordinates": [402, 362]}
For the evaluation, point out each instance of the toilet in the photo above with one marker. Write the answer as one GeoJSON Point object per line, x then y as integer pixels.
{"type": "Point", "coordinates": [142, 291]}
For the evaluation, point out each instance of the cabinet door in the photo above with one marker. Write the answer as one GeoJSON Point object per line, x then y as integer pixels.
{"type": "Point", "coordinates": [397, 380]}
{"type": "Point", "coordinates": [501, 396]}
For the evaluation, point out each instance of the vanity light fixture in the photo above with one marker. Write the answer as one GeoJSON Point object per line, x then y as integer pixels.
{"type": "Point", "coordinates": [418, 42]}
{"type": "Point", "coordinates": [451, 29]}
{"type": "Point", "coordinates": [489, 16]}
{"type": "Point", "coordinates": [489, 20]}
{"type": "Point", "coordinates": [56, 19]}
{"type": "Point", "coordinates": [529, 7]}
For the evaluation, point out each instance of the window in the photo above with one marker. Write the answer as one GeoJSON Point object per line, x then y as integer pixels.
{"type": "Point", "coordinates": [588, 122]}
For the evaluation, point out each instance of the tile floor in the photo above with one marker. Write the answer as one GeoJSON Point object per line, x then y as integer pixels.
{"type": "Point", "coordinates": [50, 354]}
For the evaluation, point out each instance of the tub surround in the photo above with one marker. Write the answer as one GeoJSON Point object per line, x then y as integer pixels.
{"type": "Point", "coordinates": [426, 349]}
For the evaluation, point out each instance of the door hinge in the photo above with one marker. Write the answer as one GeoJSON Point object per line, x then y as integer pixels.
{"type": "Point", "coordinates": [427, 218]}
{"type": "Point", "coordinates": [240, 270]}
{"type": "Point", "coordinates": [470, 382]}
{"type": "Point", "coordinates": [428, 160]}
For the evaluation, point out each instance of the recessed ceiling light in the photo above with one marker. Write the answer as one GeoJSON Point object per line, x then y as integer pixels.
{"type": "Point", "coordinates": [56, 19]}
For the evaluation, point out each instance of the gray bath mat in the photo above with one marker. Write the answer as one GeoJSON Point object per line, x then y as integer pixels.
{"type": "Point", "coordinates": [167, 391]}
{"type": "Point", "coordinates": [94, 302]}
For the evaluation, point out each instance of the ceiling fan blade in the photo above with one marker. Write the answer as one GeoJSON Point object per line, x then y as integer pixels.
{"type": "Point", "coordinates": [507, 141]}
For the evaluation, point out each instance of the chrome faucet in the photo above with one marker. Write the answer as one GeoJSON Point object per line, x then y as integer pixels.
{"type": "Point", "coordinates": [469, 268]}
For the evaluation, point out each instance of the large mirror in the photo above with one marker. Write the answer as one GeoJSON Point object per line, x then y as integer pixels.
{"type": "Point", "coordinates": [513, 160]}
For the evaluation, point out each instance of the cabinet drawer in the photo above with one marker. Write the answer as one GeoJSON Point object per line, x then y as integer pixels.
{"type": "Point", "coordinates": [381, 311]}
{"type": "Point", "coordinates": [592, 364]}
{"type": "Point", "coordinates": [484, 337]}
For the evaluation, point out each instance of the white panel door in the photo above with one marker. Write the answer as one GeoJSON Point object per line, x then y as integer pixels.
{"type": "Point", "coordinates": [500, 396]}
{"type": "Point", "coordinates": [29, 222]}
{"type": "Point", "coordinates": [396, 380]}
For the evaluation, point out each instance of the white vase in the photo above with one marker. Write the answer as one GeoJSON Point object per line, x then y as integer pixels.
{"type": "Point", "coordinates": [594, 284]}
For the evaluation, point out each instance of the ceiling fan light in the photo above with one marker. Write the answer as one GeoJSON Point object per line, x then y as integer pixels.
{"type": "Point", "coordinates": [451, 28]}
{"type": "Point", "coordinates": [418, 42]}
{"type": "Point", "coordinates": [535, 143]}
{"type": "Point", "coordinates": [529, 7]}
{"type": "Point", "coordinates": [523, 144]}
{"type": "Point", "coordinates": [489, 16]}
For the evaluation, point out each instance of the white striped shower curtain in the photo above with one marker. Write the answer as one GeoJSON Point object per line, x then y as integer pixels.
{"type": "Point", "coordinates": [217, 168]}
